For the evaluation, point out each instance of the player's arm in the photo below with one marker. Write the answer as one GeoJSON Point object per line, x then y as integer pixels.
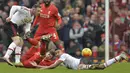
{"type": "Point", "coordinates": [36, 20]}
{"type": "Point", "coordinates": [27, 30]}
{"type": "Point", "coordinates": [33, 63]}
{"type": "Point", "coordinates": [27, 27]}
{"type": "Point", "coordinates": [57, 63]}
{"type": "Point", "coordinates": [14, 9]}
{"type": "Point", "coordinates": [58, 17]}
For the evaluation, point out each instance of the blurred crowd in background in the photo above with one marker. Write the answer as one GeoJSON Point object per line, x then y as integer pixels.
{"type": "Point", "coordinates": [83, 25]}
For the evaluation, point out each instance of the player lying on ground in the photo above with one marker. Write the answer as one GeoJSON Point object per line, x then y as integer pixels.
{"type": "Point", "coordinates": [33, 54]}
{"type": "Point", "coordinates": [46, 60]}
{"type": "Point", "coordinates": [74, 63]}
{"type": "Point", "coordinates": [19, 15]}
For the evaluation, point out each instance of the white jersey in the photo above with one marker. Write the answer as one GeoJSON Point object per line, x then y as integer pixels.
{"type": "Point", "coordinates": [21, 15]}
{"type": "Point", "coordinates": [69, 61]}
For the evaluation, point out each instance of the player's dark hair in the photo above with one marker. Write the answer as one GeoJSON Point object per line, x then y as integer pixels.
{"type": "Point", "coordinates": [52, 52]}
{"type": "Point", "coordinates": [45, 2]}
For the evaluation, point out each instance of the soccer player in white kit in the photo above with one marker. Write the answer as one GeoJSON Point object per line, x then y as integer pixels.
{"type": "Point", "coordinates": [74, 63]}
{"type": "Point", "coordinates": [19, 15]}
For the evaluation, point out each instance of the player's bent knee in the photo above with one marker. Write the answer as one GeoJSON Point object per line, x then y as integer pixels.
{"type": "Point", "coordinates": [16, 40]}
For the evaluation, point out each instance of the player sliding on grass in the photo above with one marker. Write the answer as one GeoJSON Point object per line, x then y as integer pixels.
{"type": "Point", "coordinates": [74, 63]}
{"type": "Point", "coordinates": [19, 15]}
{"type": "Point", "coordinates": [33, 54]}
{"type": "Point", "coordinates": [46, 60]}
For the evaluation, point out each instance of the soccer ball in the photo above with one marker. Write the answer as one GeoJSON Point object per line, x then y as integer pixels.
{"type": "Point", "coordinates": [86, 52]}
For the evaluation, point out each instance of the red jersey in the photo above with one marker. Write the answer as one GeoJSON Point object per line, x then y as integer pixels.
{"type": "Point", "coordinates": [47, 18]}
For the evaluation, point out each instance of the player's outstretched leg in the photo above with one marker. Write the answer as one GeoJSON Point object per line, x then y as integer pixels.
{"type": "Point", "coordinates": [106, 64]}
{"type": "Point", "coordinates": [8, 53]}
{"type": "Point", "coordinates": [115, 59]}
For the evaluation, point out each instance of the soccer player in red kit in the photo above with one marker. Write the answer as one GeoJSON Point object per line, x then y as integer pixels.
{"type": "Point", "coordinates": [33, 55]}
{"type": "Point", "coordinates": [47, 18]}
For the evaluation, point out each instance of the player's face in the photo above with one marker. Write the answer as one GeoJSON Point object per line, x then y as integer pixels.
{"type": "Point", "coordinates": [48, 55]}
{"type": "Point", "coordinates": [47, 2]}
{"type": "Point", "coordinates": [36, 11]}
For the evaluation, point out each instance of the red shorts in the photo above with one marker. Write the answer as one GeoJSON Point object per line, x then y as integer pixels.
{"type": "Point", "coordinates": [31, 55]}
{"type": "Point", "coordinates": [52, 31]}
{"type": "Point", "coordinates": [36, 57]}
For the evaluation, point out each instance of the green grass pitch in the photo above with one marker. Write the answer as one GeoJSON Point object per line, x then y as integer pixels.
{"type": "Point", "coordinates": [115, 68]}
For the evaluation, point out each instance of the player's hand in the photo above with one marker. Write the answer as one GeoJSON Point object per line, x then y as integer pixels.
{"type": "Point", "coordinates": [27, 35]}
{"type": "Point", "coordinates": [43, 67]}
{"type": "Point", "coordinates": [57, 26]}
{"type": "Point", "coordinates": [33, 63]}
{"type": "Point", "coordinates": [8, 19]}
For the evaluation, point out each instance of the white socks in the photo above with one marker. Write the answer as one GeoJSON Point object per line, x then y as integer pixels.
{"type": "Point", "coordinates": [17, 54]}
{"type": "Point", "coordinates": [11, 48]}
{"type": "Point", "coordinates": [111, 61]}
